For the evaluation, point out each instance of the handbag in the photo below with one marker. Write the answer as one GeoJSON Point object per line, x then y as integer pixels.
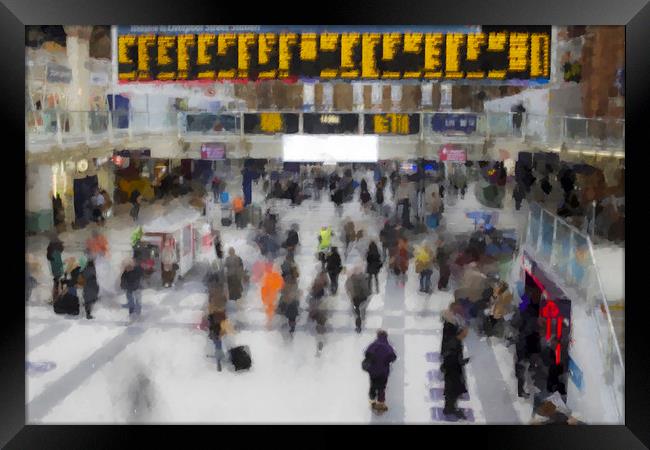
{"type": "Point", "coordinates": [366, 364]}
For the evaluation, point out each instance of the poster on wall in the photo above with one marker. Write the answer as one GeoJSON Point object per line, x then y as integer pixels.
{"type": "Point", "coordinates": [170, 53]}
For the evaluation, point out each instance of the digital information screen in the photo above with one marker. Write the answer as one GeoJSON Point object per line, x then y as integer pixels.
{"type": "Point", "coordinates": [270, 123]}
{"type": "Point", "coordinates": [391, 124]}
{"type": "Point", "coordinates": [204, 53]}
{"type": "Point", "coordinates": [330, 123]}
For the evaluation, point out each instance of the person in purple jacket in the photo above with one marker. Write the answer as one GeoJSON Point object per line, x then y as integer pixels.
{"type": "Point", "coordinates": [378, 357]}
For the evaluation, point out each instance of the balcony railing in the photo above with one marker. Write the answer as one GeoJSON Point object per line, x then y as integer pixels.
{"type": "Point", "coordinates": [89, 127]}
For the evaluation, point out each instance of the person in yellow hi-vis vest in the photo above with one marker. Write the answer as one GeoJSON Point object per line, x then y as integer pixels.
{"type": "Point", "coordinates": [324, 242]}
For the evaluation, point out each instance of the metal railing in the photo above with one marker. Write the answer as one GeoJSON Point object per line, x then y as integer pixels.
{"type": "Point", "coordinates": [569, 254]}
{"type": "Point", "coordinates": [69, 127]}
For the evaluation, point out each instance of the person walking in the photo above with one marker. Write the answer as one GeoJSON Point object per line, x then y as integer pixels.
{"type": "Point", "coordinates": [324, 242]}
{"type": "Point", "coordinates": [168, 262]}
{"type": "Point", "coordinates": [317, 311]}
{"type": "Point", "coordinates": [358, 291]}
{"type": "Point", "coordinates": [98, 201]}
{"type": "Point", "coordinates": [293, 240]}
{"type": "Point", "coordinates": [349, 235]}
{"type": "Point", "coordinates": [373, 265]}
{"type": "Point", "coordinates": [424, 267]}
{"type": "Point", "coordinates": [90, 288]}
{"type": "Point", "coordinates": [377, 360]}
{"type": "Point", "coordinates": [238, 209]}
{"type": "Point", "coordinates": [218, 246]}
{"type": "Point", "coordinates": [234, 275]}
{"type": "Point", "coordinates": [442, 260]}
{"type": "Point", "coordinates": [130, 282]}
{"type": "Point", "coordinates": [500, 305]}
{"type": "Point", "coordinates": [136, 200]}
{"type": "Point", "coordinates": [337, 199]}
{"type": "Point", "coordinates": [379, 194]}
{"type": "Point", "coordinates": [528, 344]}
{"type": "Point", "coordinates": [454, 376]}
{"type": "Point", "coordinates": [334, 267]}
{"type": "Point", "coordinates": [55, 258]}
{"type": "Point", "coordinates": [289, 304]}
{"type": "Point", "coordinates": [400, 261]}
{"type": "Point", "coordinates": [272, 284]}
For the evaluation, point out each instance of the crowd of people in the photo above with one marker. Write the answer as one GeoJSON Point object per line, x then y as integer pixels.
{"type": "Point", "coordinates": [473, 265]}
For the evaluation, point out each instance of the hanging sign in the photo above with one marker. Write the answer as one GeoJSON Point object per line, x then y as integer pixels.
{"type": "Point", "coordinates": [57, 73]}
{"type": "Point", "coordinates": [208, 53]}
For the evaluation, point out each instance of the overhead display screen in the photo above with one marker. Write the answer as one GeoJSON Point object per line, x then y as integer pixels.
{"type": "Point", "coordinates": [209, 53]}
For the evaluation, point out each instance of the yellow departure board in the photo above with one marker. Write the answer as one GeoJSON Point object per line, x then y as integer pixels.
{"type": "Point", "coordinates": [492, 53]}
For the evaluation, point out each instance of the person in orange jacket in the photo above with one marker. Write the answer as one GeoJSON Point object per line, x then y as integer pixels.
{"type": "Point", "coordinates": [272, 284]}
{"type": "Point", "coordinates": [238, 209]}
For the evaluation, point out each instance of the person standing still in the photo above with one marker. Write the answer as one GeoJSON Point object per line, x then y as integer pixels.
{"type": "Point", "coordinates": [378, 358]}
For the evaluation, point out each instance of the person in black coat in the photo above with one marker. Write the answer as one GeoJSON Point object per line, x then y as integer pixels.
{"type": "Point", "coordinates": [130, 282]}
{"type": "Point", "coordinates": [373, 265]}
{"type": "Point", "coordinates": [292, 241]}
{"type": "Point", "coordinates": [379, 193]}
{"type": "Point", "coordinates": [452, 368]}
{"type": "Point", "coordinates": [90, 288]}
{"type": "Point", "coordinates": [337, 198]}
{"type": "Point", "coordinates": [334, 267]}
{"type": "Point", "coordinates": [528, 341]}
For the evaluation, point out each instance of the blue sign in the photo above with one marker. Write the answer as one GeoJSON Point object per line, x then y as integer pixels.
{"type": "Point", "coordinates": [575, 374]}
{"type": "Point", "coordinates": [457, 123]}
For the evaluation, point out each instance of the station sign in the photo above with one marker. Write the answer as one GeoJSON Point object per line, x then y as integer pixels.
{"type": "Point", "coordinates": [271, 123]}
{"type": "Point", "coordinates": [453, 123]}
{"type": "Point", "coordinates": [330, 123]}
{"type": "Point", "coordinates": [391, 124]}
{"type": "Point", "coordinates": [208, 53]}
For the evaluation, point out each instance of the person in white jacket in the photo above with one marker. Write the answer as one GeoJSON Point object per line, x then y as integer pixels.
{"type": "Point", "coordinates": [168, 260]}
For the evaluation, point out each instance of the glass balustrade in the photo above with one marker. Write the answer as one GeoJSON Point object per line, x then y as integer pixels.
{"type": "Point", "coordinates": [568, 253]}
{"type": "Point", "coordinates": [72, 126]}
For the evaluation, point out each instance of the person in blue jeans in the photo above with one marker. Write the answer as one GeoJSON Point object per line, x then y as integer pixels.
{"type": "Point", "coordinates": [130, 282]}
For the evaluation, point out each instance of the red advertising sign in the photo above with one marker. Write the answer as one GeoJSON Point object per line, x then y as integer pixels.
{"type": "Point", "coordinates": [213, 151]}
{"type": "Point", "coordinates": [452, 153]}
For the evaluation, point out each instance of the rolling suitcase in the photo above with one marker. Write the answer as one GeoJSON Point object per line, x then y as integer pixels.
{"type": "Point", "coordinates": [226, 216]}
{"type": "Point", "coordinates": [240, 358]}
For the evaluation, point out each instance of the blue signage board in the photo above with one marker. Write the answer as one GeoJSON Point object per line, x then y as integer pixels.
{"type": "Point", "coordinates": [575, 373]}
{"type": "Point", "coordinates": [453, 123]}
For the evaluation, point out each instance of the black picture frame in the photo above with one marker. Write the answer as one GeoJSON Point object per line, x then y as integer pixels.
{"type": "Point", "coordinates": [634, 14]}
